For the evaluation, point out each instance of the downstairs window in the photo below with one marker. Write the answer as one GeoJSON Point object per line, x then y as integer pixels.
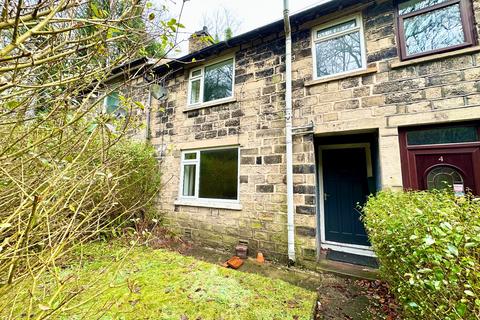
{"type": "Point", "coordinates": [210, 174]}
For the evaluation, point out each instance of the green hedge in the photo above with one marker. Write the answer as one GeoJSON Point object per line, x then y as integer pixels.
{"type": "Point", "coordinates": [428, 246]}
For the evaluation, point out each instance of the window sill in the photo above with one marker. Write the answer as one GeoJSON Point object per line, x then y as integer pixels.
{"type": "Point", "coordinates": [433, 57]}
{"type": "Point", "coordinates": [209, 204]}
{"type": "Point", "coordinates": [210, 104]}
{"type": "Point", "coordinates": [342, 76]}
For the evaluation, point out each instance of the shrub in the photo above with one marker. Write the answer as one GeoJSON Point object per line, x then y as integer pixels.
{"type": "Point", "coordinates": [85, 189]}
{"type": "Point", "coordinates": [428, 246]}
{"type": "Point", "coordinates": [141, 181]}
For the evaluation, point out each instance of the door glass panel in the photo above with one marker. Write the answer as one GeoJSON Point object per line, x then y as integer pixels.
{"type": "Point", "coordinates": [442, 135]}
{"type": "Point", "coordinates": [443, 178]}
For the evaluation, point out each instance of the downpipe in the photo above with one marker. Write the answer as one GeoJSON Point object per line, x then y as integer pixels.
{"type": "Point", "coordinates": [148, 114]}
{"type": "Point", "coordinates": [288, 133]}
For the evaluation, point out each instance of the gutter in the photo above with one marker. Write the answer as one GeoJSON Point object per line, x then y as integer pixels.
{"type": "Point", "coordinates": [288, 133]}
{"type": "Point", "coordinates": [299, 18]}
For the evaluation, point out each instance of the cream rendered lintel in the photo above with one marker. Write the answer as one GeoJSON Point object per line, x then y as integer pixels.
{"type": "Point", "coordinates": [213, 143]}
{"type": "Point", "coordinates": [355, 125]}
{"type": "Point", "coordinates": [430, 117]}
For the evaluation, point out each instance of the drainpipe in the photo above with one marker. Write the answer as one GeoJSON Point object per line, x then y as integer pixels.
{"type": "Point", "coordinates": [288, 133]}
{"type": "Point", "coordinates": [148, 114]}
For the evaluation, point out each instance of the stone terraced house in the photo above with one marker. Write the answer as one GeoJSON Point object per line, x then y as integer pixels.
{"type": "Point", "coordinates": [384, 94]}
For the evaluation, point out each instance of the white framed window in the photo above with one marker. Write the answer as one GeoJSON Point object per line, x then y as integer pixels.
{"type": "Point", "coordinates": [338, 47]}
{"type": "Point", "coordinates": [210, 175]}
{"type": "Point", "coordinates": [212, 82]}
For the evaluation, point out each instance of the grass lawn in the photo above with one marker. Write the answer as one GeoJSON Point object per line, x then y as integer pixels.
{"type": "Point", "coordinates": [160, 284]}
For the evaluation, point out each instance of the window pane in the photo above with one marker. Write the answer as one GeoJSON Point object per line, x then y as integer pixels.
{"type": "Point", "coordinates": [219, 174]}
{"type": "Point", "coordinates": [112, 102]}
{"type": "Point", "coordinates": [195, 92]}
{"type": "Point", "coordinates": [415, 5]}
{"type": "Point", "coordinates": [337, 28]}
{"type": "Point", "coordinates": [196, 73]}
{"type": "Point", "coordinates": [218, 81]}
{"type": "Point", "coordinates": [437, 29]}
{"type": "Point", "coordinates": [189, 180]}
{"type": "Point", "coordinates": [340, 54]}
{"type": "Point", "coordinates": [442, 135]}
{"type": "Point", "coordinates": [190, 156]}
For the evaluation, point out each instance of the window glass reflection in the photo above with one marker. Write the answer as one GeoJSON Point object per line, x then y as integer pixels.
{"type": "Point", "coordinates": [337, 28]}
{"type": "Point", "coordinates": [338, 55]}
{"type": "Point", "coordinates": [218, 81]}
{"type": "Point", "coordinates": [434, 30]}
{"type": "Point", "coordinates": [415, 5]}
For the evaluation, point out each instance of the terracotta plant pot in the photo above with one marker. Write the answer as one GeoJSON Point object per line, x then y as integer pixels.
{"type": "Point", "coordinates": [260, 258]}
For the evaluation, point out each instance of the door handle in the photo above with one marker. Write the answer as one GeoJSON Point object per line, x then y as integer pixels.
{"type": "Point", "coordinates": [325, 196]}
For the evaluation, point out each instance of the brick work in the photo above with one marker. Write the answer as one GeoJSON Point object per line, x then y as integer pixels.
{"type": "Point", "coordinates": [441, 90]}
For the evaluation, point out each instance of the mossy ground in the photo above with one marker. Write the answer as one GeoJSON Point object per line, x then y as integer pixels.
{"type": "Point", "coordinates": [160, 284]}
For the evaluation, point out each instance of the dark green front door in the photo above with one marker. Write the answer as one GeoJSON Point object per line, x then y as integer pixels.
{"type": "Point", "coordinates": [345, 186]}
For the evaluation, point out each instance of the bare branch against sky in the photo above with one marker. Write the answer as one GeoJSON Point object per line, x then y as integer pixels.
{"type": "Point", "coordinates": [251, 13]}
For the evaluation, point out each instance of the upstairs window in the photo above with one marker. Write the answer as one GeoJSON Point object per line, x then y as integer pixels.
{"type": "Point", "coordinates": [339, 47]}
{"type": "Point", "coordinates": [433, 26]}
{"type": "Point", "coordinates": [112, 102]}
{"type": "Point", "coordinates": [212, 82]}
{"type": "Point", "coordinates": [113, 105]}
{"type": "Point", "coordinates": [210, 174]}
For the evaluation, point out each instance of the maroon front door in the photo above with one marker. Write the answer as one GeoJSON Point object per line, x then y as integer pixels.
{"type": "Point", "coordinates": [439, 158]}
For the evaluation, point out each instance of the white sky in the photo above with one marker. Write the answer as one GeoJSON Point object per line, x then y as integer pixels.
{"type": "Point", "coordinates": [251, 13]}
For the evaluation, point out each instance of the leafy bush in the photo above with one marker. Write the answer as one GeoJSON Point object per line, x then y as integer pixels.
{"type": "Point", "coordinates": [428, 246]}
{"type": "Point", "coordinates": [79, 187]}
{"type": "Point", "coordinates": [60, 185]}
{"type": "Point", "coordinates": [142, 176]}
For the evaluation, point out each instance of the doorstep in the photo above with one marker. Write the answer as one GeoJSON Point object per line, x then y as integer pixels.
{"type": "Point", "coordinates": [346, 269]}
{"type": "Point", "coordinates": [361, 260]}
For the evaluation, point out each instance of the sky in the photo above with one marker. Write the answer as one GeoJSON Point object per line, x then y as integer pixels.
{"type": "Point", "coordinates": [251, 13]}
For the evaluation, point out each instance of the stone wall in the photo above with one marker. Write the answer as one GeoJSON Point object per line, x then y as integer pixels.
{"type": "Point", "coordinates": [393, 95]}
{"type": "Point", "coordinates": [390, 94]}
{"type": "Point", "coordinates": [255, 122]}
